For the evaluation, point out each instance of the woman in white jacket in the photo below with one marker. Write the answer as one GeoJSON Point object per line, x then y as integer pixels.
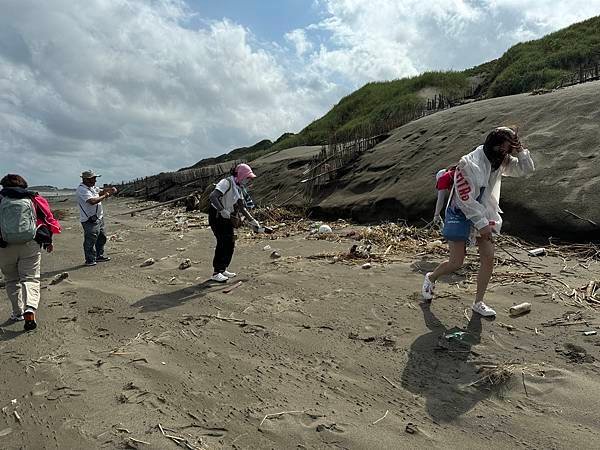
{"type": "Point", "coordinates": [473, 212]}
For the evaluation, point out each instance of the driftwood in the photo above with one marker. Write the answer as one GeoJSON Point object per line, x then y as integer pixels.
{"type": "Point", "coordinates": [153, 206]}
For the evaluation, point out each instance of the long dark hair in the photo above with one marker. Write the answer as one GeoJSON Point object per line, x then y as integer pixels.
{"type": "Point", "coordinates": [497, 137]}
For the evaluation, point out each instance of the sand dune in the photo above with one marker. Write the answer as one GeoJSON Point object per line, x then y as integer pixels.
{"type": "Point", "coordinates": [396, 178]}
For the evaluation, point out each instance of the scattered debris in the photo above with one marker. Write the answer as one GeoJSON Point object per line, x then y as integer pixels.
{"type": "Point", "coordinates": [185, 264]}
{"type": "Point", "coordinates": [386, 341]}
{"type": "Point", "coordinates": [381, 418]}
{"type": "Point", "coordinates": [275, 254]}
{"type": "Point", "coordinates": [231, 288]}
{"type": "Point", "coordinates": [58, 278]}
{"type": "Point", "coordinates": [266, 248]}
{"type": "Point", "coordinates": [497, 374]}
{"type": "Point", "coordinates": [537, 252]}
{"type": "Point", "coordinates": [519, 309]}
{"type": "Point", "coordinates": [569, 318]}
{"type": "Point", "coordinates": [590, 333]}
{"type": "Point", "coordinates": [411, 428]}
{"type": "Point", "coordinates": [148, 262]}
{"type": "Point", "coordinates": [367, 265]}
{"type": "Point", "coordinates": [575, 353]}
{"type": "Point", "coordinates": [325, 229]}
{"type": "Point", "coordinates": [271, 416]}
{"type": "Point", "coordinates": [361, 251]}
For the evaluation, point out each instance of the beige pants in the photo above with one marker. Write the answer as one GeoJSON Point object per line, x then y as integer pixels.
{"type": "Point", "coordinates": [20, 265]}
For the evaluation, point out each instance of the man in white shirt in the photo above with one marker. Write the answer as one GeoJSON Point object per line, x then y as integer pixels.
{"type": "Point", "coordinates": [91, 215]}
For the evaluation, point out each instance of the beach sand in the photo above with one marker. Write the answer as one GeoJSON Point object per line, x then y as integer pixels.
{"type": "Point", "coordinates": [304, 354]}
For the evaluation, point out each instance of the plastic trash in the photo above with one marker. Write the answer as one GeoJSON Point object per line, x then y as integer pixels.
{"type": "Point", "coordinates": [325, 229]}
{"type": "Point", "coordinates": [519, 309]}
{"type": "Point", "coordinates": [537, 252]}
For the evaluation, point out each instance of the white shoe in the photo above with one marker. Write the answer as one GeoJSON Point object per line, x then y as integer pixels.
{"type": "Point", "coordinates": [428, 287]}
{"type": "Point", "coordinates": [483, 309]}
{"type": "Point", "coordinates": [229, 274]}
{"type": "Point", "coordinates": [219, 278]}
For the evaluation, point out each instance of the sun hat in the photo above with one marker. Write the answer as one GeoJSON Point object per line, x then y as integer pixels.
{"type": "Point", "coordinates": [243, 171]}
{"type": "Point", "coordinates": [86, 174]}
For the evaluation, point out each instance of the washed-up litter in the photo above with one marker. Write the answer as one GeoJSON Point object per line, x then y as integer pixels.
{"type": "Point", "coordinates": [537, 252]}
{"type": "Point", "coordinates": [148, 262]}
{"type": "Point", "coordinates": [60, 277]}
{"type": "Point", "coordinates": [325, 229]}
{"type": "Point", "coordinates": [519, 309]}
{"type": "Point", "coordinates": [185, 264]}
{"type": "Point", "coordinates": [590, 333]}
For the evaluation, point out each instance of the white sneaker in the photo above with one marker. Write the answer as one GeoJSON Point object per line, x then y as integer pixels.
{"type": "Point", "coordinates": [483, 309]}
{"type": "Point", "coordinates": [219, 278]}
{"type": "Point", "coordinates": [428, 287]}
{"type": "Point", "coordinates": [229, 274]}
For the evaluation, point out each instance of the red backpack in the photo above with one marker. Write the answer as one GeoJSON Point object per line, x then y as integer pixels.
{"type": "Point", "coordinates": [446, 181]}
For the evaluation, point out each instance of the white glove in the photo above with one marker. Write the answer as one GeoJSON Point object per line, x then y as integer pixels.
{"type": "Point", "coordinates": [437, 220]}
{"type": "Point", "coordinates": [225, 214]}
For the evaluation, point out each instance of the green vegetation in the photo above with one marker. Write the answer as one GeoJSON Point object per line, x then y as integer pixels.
{"type": "Point", "coordinates": [526, 66]}
{"type": "Point", "coordinates": [545, 62]}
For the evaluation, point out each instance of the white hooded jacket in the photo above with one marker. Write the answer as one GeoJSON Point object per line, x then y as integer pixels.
{"type": "Point", "coordinates": [474, 172]}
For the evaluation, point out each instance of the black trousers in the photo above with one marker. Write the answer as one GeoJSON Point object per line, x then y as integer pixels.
{"type": "Point", "coordinates": [223, 231]}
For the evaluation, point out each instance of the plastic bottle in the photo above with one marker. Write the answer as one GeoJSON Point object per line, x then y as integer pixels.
{"type": "Point", "coordinates": [519, 309]}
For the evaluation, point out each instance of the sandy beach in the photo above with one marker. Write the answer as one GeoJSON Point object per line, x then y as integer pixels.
{"type": "Point", "coordinates": [309, 351]}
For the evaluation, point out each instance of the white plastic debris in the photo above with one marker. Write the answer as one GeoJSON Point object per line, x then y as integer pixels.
{"type": "Point", "coordinates": [537, 252]}
{"type": "Point", "coordinates": [185, 264]}
{"type": "Point", "coordinates": [325, 229]}
{"type": "Point", "coordinates": [148, 262]}
{"type": "Point", "coordinates": [367, 265]}
{"type": "Point", "coordinates": [266, 248]}
{"type": "Point", "coordinates": [519, 309]}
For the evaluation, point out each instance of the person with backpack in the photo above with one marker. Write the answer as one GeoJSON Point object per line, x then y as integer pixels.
{"type": "Point", "coordinates": [226, 211]}
{"type": "Point", "coordinates": [473, 212]}
{"type": "Point", "coordinates": [26, 226]}
{"type": "Point", "coordinates": [91, 216]}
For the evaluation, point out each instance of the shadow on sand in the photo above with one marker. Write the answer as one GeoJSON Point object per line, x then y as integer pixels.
{"type": "Point", "coordinates": [439, 368]}
{"type": "Point", "coordinates": [160, 302]}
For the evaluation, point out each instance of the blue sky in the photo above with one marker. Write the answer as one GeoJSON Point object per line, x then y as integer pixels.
{"type": "Point", "coordinates": [130, 88]}
{"type": "Point", "coordinates": [268, 20]}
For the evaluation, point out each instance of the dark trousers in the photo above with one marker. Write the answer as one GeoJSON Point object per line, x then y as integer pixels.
{"type": "Point", "coordinates": [223, 231]}
{"type": "Point", "coordinates": [94, 239]}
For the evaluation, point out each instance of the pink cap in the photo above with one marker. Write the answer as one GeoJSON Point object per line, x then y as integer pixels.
{"type": "Point", "coordinates": [243, 171]}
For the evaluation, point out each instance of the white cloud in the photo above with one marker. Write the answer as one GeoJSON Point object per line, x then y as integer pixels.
{"type": "Point", "coordinates": [127, 88]}
{"type": "Point", "coordinates": [384, 39]}
{"type": "Point", "coordinates": [298, 39]}
{"type": "Point", "coordinates": [122, 87]}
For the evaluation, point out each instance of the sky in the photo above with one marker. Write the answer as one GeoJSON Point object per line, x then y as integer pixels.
{"type": "Point", "coordinates": [130, 88]}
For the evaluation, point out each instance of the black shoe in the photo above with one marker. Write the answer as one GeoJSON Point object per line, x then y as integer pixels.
{"type": "Point", "coordinates": [30, 323]}
{"type": "Point", "coordinates": [90, 263]}
{"type": "Point", "coordinates": [102, 258]}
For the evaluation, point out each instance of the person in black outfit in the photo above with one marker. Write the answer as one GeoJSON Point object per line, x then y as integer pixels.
{"type": "Point", "coordinates": [226, 212]}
